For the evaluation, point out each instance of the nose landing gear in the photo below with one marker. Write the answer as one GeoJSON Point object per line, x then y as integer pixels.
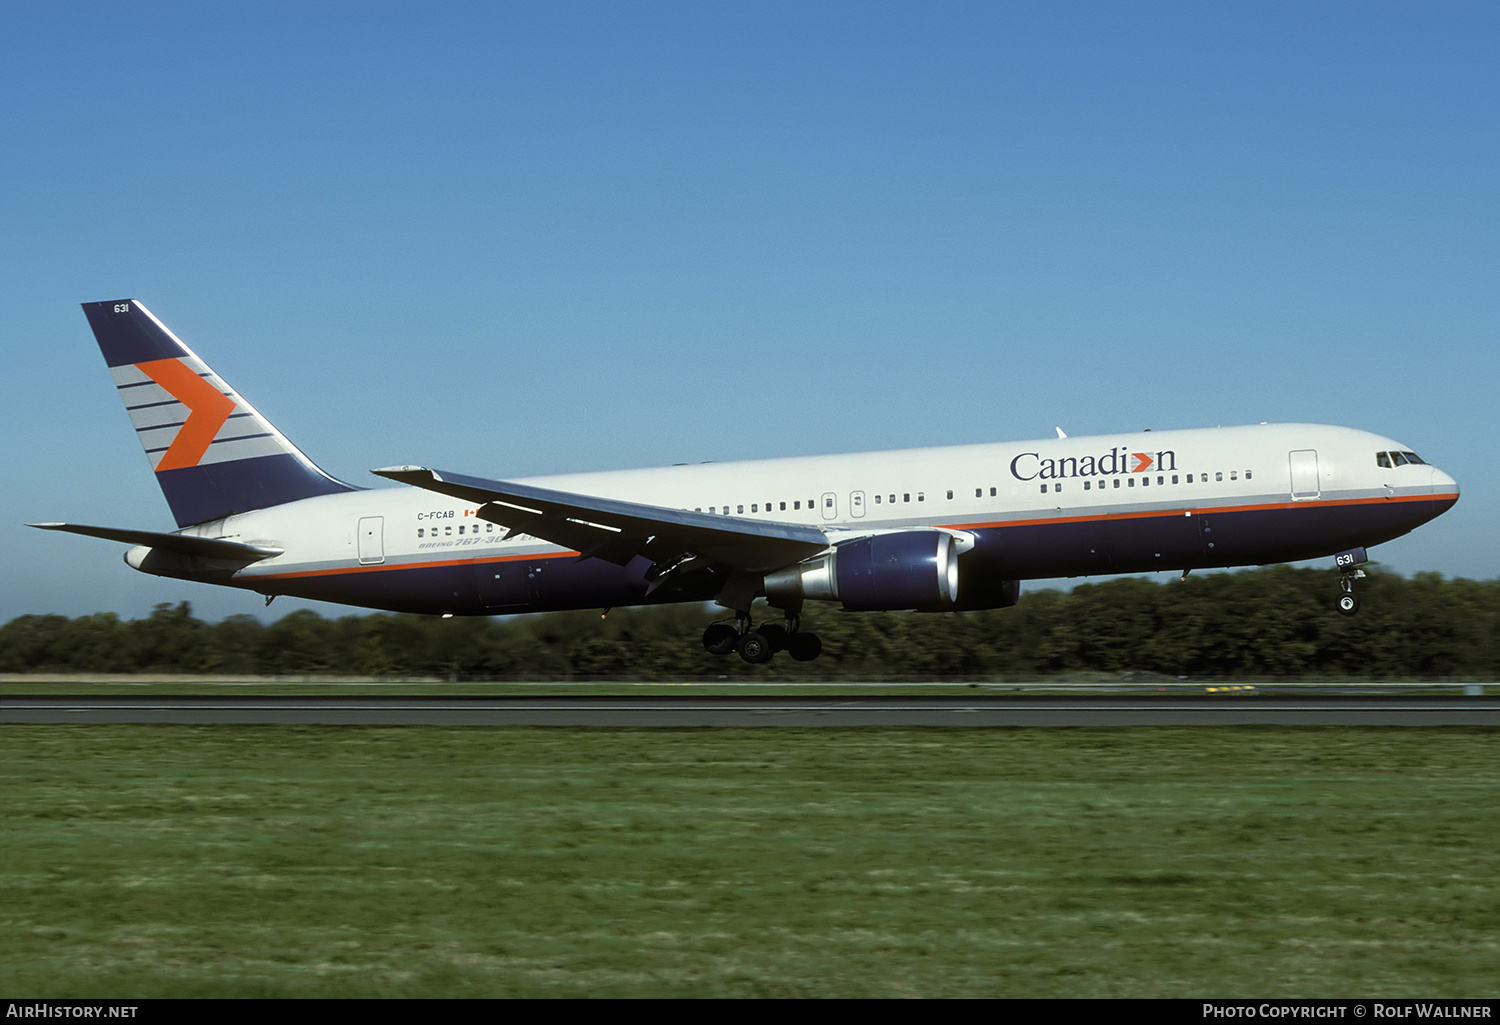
{"type": "Point", "coordinates": [1348, 604]}
{"type": "Point", "coordinates": [1348, 564]}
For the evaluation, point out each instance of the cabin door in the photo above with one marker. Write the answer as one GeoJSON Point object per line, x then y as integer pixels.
{"type": "Point", "coordinates": [1304, 467]}
{"type": "Point", "coordinates": [371, 540]}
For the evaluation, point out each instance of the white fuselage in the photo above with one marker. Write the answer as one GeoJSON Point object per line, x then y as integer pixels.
{"type": "Point", "coordinates": [1054, 507]}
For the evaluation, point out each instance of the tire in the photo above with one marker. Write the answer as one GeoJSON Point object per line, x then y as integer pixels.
{"type": "Point", "coordinates": [1348, 604]}
{"type": "Point", "coordinates": [719, 639]}
{"type": "Point", "coordinates": [776, 635]}
{"type": "Point", "coordinates": [755, 649]}
{"type": "Point", "coordinates": [804, 647]}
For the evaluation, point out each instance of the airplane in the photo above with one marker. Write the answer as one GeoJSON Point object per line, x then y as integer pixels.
{"type": "Point", "coordinates": [928, 530]}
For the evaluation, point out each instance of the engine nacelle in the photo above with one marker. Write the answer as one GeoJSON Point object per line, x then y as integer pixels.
{"type": "Point", "coordinates": [913, 569]}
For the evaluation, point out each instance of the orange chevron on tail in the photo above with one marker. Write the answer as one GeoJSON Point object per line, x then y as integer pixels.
{"type": "Point", "coordinates": [208, 408]}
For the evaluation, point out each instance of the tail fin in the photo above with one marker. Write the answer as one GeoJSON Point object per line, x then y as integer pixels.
{"type": "Point", "coordinates": [213, 454]}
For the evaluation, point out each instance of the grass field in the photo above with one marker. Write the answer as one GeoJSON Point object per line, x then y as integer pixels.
{"type": "Point", "coordinates": [141, 861]}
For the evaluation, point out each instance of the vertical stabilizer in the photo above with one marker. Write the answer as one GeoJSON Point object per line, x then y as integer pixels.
{"type": "Point", "coordinates": [212, 453]}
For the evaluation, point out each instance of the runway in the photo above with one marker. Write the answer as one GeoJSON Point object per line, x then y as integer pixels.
{"type": "Point", "coordinates": [688, 711]}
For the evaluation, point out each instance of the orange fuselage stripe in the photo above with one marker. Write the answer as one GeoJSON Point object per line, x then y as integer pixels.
{"type": "Point", "coordinates": [413, 565]}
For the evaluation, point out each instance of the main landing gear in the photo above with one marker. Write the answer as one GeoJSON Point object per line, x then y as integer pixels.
{"type": "Point", "coordinates": [758, 645]}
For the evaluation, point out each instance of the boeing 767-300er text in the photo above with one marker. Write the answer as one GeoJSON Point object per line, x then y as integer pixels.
{"type": "Point", "coordinates": [931, 530]}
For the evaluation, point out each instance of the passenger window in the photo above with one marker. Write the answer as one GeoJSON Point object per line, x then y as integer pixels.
{"type": "Point", "coordinates": [795, 505]}
{"type": "Point", "coordinates": [1145, 482]}
{"type": "Point", "coordinates": [950, 496]}
{"type": "Point", "coordinates": [1247, 474]}
{"type": "Point", "coordinates": [877, 499]}
{"type": "Point", "coordinates": [979, 492]}
{"type": "Point", "coordinates": [1117, 482]}
{"type": "Point", "coordinates": [1130, 483]}
{"type": "Point", "coordinates": [992, 492]}
{"type": "Point", "coordinates": [921, 497]}
{"type": "Point", "coordinates": [1044, 489]}
{"type": "Point", "coordinates": [906, 497]}
{"type": "Point", "coordinates": [1234, 475]}
{"type": "Point", "coordinates": [419, 531]}
{"type": "Point", "coordinates": [1085, 485]}
{"type": "Point", "coordinates": [1219, 475]}
{"type": "Point", "coordinates": [1174, 478]}
{"type": "Point", "coordinates": [754, 507]}
{"type": "Point", "coordinates": [783, 507]}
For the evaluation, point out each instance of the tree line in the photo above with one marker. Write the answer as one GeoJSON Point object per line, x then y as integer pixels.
{"type": "Point", "coordinates": [1274, 622]}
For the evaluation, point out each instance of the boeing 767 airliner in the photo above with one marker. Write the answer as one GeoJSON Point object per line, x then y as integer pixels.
{"type": "Point", "coordinates": [930, 530]}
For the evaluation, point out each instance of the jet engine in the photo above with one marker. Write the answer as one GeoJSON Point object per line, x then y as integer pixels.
{"type": "Point", "coordinates": [913, 569]}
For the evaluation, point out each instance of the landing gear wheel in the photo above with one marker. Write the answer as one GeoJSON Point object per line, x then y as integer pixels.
{"type": "Point", "coordinates": [804, 647]}
{"type": "Point", "coordinates": [720, 638]}
{"type": "Point", "coordinates": [755, 649]}
{"type": "Point", "coordinates": [1348, 604]}
{"type": "Point", "coordinates": [776, 636]}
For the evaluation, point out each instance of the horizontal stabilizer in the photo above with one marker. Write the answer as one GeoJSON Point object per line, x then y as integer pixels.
{"type": "Point", "coordinates": [617, 531]}
{"type": "Point", "coordinates": [202, 547]}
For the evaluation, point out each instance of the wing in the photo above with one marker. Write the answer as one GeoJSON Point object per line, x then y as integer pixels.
{"type": "Point", "coordinates": [617, 531]}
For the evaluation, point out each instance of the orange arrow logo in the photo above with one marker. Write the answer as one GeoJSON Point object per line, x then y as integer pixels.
{"type": "Point", "coordinates": [208, 408]}
{"type": "Point", "coordinates": [1143, 462]}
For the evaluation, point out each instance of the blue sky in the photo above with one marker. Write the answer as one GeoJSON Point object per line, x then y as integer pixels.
{"type": "Point", "coordinates": [513, 239]}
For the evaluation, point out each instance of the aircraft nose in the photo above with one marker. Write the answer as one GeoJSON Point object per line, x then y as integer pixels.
{"type": "Point", "coordinates": [1444, 484]}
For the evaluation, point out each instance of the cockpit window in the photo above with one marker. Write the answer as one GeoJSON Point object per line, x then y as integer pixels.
{"type": "Point", "coordinates": [1390, 459]}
